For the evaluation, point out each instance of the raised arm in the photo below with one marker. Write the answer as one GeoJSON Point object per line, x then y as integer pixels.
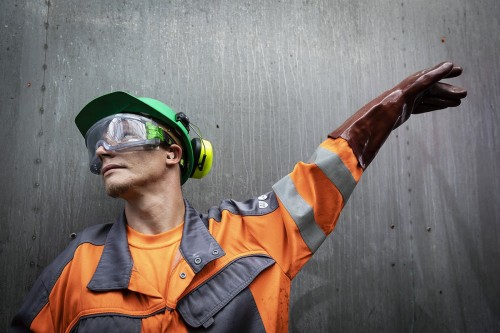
{"type": "Point", "coordinates": [312, 196]}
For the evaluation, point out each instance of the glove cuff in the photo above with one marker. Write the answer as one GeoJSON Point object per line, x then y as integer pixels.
{"type": "Point", "coordinates": [367, 130]}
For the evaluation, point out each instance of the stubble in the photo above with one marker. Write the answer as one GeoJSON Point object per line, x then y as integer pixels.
{"type": "Point", "coordinates": [117, 190]}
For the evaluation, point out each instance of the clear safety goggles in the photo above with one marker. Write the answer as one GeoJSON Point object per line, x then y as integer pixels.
{"type": "Point", "coordinates": [123, 132]}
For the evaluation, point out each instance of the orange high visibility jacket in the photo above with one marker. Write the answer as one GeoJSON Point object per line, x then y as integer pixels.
{"type": "Point", "coordinates": [232, 272]}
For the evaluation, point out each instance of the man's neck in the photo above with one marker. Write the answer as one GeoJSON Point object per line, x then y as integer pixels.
{"type": "Point", "coordinates": [154, 213]}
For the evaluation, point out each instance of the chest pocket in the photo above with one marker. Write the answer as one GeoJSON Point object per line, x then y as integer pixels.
{"type": "Point", "coordinates": [224, 303]}
{"type": "Point", "coordinates": [107, 324]}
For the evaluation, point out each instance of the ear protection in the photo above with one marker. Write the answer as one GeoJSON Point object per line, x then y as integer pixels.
{"type": "Point", "coordinates": [202, 149]}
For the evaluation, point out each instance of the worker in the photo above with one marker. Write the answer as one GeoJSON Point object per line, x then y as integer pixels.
{"type": "Point", "coordinates": [162, 266]}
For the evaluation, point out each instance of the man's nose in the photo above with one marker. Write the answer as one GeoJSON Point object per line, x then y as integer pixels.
{"type": "Point", "coordinates": [101, 151]}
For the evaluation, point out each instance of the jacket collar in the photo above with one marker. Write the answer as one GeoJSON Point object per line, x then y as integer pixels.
{"type": "Point", "coordinates": [115, 266]}
{"type": "Point", "coordinates": [113, 272]}
{"type": "Point", "coordinates": [198, 247]}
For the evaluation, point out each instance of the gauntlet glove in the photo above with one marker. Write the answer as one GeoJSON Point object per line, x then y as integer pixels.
{"type": "Point", "coordinates": [421, 92]}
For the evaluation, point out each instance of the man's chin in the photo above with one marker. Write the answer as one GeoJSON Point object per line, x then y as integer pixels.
{"type": "Point", "coordinates": [117, 190]}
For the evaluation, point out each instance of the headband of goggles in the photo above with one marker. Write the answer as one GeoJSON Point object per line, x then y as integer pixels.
{"type": "Point", "coordinates": [124, 132]}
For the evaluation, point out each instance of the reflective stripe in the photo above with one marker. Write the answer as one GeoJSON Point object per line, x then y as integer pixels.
{"type": "Point", "coordinates": [333, 167]}
{"type": "Point", "coordinates": [301, 213]}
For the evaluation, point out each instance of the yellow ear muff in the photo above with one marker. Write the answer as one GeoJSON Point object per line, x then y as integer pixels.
{"type": "Point", "coordinates": [203, 156]}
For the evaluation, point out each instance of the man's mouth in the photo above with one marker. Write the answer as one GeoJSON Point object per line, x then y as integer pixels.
{"type": "Point", "coordinates": [110, 167]}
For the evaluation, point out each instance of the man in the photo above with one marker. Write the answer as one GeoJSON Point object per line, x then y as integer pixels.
{"type": "Point", "coordinates": [163, 267]}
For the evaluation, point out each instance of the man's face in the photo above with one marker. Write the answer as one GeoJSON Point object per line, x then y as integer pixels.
{"type": "Point", "coordinates": [129, 173]}
{"type": "Point", "coordinates": [123, 132]}
{"type": "Point", "coordinates": [129, 155]}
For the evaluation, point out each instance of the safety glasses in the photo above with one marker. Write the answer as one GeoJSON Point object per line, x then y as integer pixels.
{"type": "Point", "coordinates": [123, 132]}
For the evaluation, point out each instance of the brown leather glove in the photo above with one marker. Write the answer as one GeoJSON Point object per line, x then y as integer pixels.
{"type": "Point", "coordinates": [421, 92]}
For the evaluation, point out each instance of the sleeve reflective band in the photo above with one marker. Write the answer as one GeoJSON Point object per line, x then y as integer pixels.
{"type": "Point", "coordinates": [333, 167]}
{"type": "Point", "coordinates": [301, 212]}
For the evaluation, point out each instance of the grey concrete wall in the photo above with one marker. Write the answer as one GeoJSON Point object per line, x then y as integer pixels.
{"type": "Point", "coordinates": [416, 249]}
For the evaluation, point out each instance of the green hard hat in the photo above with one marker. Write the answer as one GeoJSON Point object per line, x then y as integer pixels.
{"type": "Point", "coordinates": [122, 102]}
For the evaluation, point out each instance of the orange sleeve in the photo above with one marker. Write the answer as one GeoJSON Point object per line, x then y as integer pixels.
{"type": "Point", "coordinates": [311, 198]}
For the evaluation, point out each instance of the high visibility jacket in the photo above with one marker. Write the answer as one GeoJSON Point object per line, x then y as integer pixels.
{"type": "Point", "coordinates": [232, 272]}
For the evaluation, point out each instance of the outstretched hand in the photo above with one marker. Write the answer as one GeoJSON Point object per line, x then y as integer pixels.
{"type": "Point", "coordinates": [424, 92]}
{"type": "Point", "coordinates": [369, 127]}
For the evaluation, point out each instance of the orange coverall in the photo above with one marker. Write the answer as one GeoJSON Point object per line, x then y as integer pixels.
{"type": "Point", "coordinates": [232, 272]}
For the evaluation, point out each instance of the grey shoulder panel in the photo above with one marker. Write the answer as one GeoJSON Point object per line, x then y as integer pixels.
{"type": "Point", "coordinates": [38, 296]}
{"type": "Point", "coordinates": [204, 305]}
{"type": "Point", "coordinates": [262, 205]}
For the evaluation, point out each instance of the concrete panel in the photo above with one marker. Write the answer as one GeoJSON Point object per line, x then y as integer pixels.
{"type": "Point", "coordinates": [416, 248]}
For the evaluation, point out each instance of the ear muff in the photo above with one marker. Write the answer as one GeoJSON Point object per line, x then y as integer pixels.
{"type": "Point", "coordinates": [203, 156]}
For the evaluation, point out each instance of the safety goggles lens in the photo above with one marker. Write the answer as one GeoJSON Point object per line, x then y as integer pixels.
{"type": "Point", "coordinates": [123, 132]}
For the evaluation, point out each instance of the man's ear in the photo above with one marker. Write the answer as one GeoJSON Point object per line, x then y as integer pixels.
{"type": "Point", "coordinates": [174, 154]}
